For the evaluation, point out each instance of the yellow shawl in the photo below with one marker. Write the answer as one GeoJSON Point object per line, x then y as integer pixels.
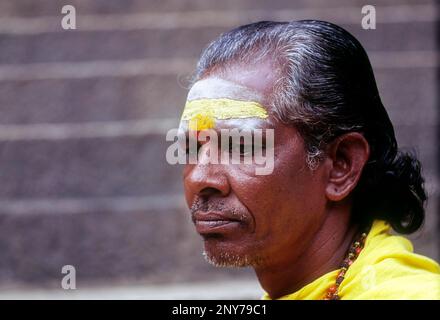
{"type": "Point", "coordinates": [386, 268]}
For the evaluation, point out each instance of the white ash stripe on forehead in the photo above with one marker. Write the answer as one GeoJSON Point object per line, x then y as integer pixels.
{"type": "Point", "coordinates": [216, 88]}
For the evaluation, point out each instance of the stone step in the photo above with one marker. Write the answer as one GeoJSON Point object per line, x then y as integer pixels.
{"type": "Point", "coordinates": [124, 166]}
{"type": "Point", "coordinates": [149, 245]}
{"type": "Point", "coordinates": [412, 101]}
{"type": "Point", "coordinates": [236, 289]}
{"type": "Point", "coordinates": [104, 45]}
{"type": "Point", "coordinates": [29, 8]}
{"type": "Point", "coordinates": [95, 99]}
{"type": "Point", "coordinates": [170, 43]}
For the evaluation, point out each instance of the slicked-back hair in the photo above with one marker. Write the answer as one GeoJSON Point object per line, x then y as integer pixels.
{"type": "Point", "coordinates": [325, 87]}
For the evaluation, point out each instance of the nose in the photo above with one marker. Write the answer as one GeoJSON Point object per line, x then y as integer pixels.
{"type": "Point", "coordinates": [205, 181]}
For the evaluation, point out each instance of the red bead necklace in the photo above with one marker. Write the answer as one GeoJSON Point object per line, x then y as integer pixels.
{"type": "Point", "coordinates": [353, 253]}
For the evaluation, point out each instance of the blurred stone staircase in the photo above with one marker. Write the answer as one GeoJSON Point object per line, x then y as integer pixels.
{"type": "Point", "coordinates": [83, 115]}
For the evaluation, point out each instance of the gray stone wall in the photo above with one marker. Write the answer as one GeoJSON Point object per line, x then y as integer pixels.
{"type": "Point", "coordinates": [83, 177]}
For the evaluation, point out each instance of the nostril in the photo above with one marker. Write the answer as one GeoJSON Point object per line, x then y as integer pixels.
{"type": "Point", "coordinates": [209, 191]}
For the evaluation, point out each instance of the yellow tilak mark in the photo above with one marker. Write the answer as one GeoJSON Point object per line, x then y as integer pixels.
{"type": "Point", "coordinates": [201, 122]}
{"type": "Point", "coordinates": [222, 109]}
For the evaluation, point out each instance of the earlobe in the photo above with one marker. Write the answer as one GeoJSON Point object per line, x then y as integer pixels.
{"type": "Point", "coordinates": [348, 155]}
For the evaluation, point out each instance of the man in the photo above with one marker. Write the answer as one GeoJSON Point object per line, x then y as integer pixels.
{"type": "Point", "coordinates": [317, 226]}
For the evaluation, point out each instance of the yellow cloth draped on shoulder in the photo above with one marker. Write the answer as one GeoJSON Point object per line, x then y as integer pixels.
{"type": "Point", "coordinates": [386, 268]}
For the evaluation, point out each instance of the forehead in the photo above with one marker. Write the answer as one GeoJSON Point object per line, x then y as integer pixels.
{"type": "Point", "coordinates": [213, 101]}
{"type": "Point", "coordinates": [233, 97]}
{"type": "Point", "coordinates": [258, 77]}
{"type": "Point", "coordinates": [217, 88]}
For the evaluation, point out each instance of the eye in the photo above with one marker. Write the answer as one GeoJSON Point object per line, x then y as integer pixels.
{"type": "Point", "coordinates": [246, 149]}
{"type": "Point", "coordinates": [261, 146]}
{"type": "Point", "coordinates": [243, 149]}
{"type": "Point", "coordinates": [189, 149]}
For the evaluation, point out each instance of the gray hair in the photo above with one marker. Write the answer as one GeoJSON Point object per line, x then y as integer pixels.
{"type": "Point", "coordinates": [295, 51]}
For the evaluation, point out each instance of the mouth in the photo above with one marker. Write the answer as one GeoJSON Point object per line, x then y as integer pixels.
{"type": "Point", "coordinates": [212, 222]}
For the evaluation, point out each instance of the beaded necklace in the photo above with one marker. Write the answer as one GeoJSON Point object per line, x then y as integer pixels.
{"type": "Point", "coordinates": [353, 253]}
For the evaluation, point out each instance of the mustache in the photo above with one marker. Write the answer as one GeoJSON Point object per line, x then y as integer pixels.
{"type": "Point", "coordinates": [218, 205]}
{"type": "Point", "coordinates": [201, 205]}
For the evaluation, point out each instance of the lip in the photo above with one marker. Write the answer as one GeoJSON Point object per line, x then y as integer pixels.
{"type": "Point", "coordinates": [215, 222]}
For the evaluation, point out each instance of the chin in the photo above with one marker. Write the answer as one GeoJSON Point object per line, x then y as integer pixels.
{"type": "Point", "coordinates": [221, 254]}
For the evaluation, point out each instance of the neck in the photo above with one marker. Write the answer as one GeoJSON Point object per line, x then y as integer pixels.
{"type": "Point", "coordinates": [324, 254]}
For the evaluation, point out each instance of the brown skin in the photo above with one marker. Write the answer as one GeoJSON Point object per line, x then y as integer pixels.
{"type": "Point", "coordinates": [294, 224]}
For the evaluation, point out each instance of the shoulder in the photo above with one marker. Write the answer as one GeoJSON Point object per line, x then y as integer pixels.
{"type": "Point", "coordinates": [413, 287]}
{"type": "Point", "coordinates": [388, 268]}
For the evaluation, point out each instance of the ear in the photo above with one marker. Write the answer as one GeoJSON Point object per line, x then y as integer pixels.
{"type": "Point", "coordinates": [347, 155]}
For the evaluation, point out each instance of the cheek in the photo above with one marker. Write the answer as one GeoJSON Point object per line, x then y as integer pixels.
{"type": "Point", "coordinates": [303, 193]}
{"type": "Point", "coordinates": [288, 199]}
{"type": "Point", "coordinates": [188, 191]}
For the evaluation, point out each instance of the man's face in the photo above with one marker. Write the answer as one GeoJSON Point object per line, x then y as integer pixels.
{"type": "Point", "coordinates": [255, 220]}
